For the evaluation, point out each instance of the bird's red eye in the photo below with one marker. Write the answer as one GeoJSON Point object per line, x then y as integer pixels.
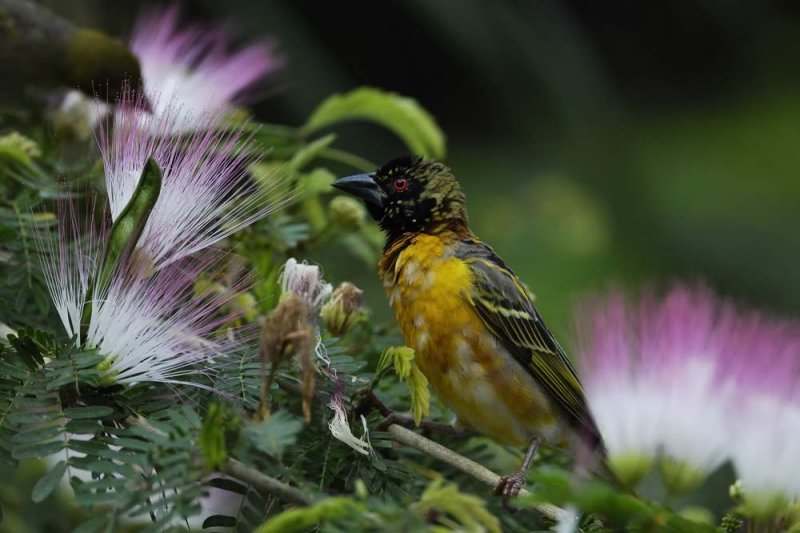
{"type": "Point", "coordinates": [400, 184]}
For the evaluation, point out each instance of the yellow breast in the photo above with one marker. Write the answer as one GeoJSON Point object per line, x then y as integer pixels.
{"type": "Point", "coordinates": [428, 288]}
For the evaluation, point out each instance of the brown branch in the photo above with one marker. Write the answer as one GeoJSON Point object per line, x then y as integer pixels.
{"type": "Point", "coordinates": [266, 484]}
{"type": "Point", "coordinates": [467, 466]}
{"type": "Point", "coordinates": [249, 475]}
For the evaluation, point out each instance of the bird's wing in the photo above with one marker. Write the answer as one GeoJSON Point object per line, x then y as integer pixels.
{"type": "Point", "coordinates": [505, 306]}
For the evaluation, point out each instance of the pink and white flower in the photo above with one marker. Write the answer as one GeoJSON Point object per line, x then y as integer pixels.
{"type": "Point", "coordinates": [150, 327]}
{"type": "Point", "coordinates": [691, 382]}
{"type": "Point", "coordinates": [193, 70]}
{"type": "Point", "coordinates": [657, 385]}
{"type": "Point", "coordinates": [764, 421]}
{"type": "Point", "coordinates": [206, 194]}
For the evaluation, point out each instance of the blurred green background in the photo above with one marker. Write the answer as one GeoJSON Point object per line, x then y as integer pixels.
{"type": "Point", "coordinates": [598, 142]}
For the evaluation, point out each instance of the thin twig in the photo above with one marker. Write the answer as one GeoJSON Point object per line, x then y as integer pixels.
{"type": "Point", "coordinates": [266, 484]}
{"type": "Point", "coordinates": [237, 469]}
{"type": "Point", "coordinates": [467, 466]}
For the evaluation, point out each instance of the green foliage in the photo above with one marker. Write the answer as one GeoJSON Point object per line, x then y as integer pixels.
{"type": "Point", "coordinates": [146, 454]}
{"type": "Point", "coordinates": [213, 435]}
{"type": "Point", "coordinates": [454, 509]}
{"type": "Point", "coordinates": [402, 360]}
{"type": "Point", "coordinates": [275, 434]}
{"type": "Point", "coordinates": [302, 519]}
{"type": "Point", "coordinates": [402, 115]}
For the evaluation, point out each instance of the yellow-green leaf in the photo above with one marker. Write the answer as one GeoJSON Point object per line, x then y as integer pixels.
{"type": "Point", "coordinates": [457, 511]}
{"type": "Point", "coordinates": [302, 519]}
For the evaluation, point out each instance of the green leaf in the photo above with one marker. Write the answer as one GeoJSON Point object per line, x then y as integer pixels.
{"type": "Point", "coordinates": [466, 510]}
{"type": "Point", "coordinates": [305, 518]}
{"type": "Point", "coordinates": [38, 434]}
{"type": "Point", "coordinates": [276, 433]}
{"type": "Point", "coordinates": [48, 483]}
{"type": "Point", "coordinates": [402, 115]}
{"type": "Point", "coordinates": [318, 181]}
{"type": "Point", "coordinates": [104, 522]}
{"type": "Point", "coordinates": [92, 411]}
{"type": "Point", "coordinates": [38, 451]}
{"type": "Point", "coordinates": [82, 427]}
{"type": "Point", "coordinates": [110, 467]}
{"type": "Point", "coordinates": [90, 499]}
{"type": "Point", "coordinates": [307, 153]}
{"type": "Point", "coordinates": [28, 417]}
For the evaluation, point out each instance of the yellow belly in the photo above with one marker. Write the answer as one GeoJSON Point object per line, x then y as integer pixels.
{"type": "Point", "coordinates": [467, 367]}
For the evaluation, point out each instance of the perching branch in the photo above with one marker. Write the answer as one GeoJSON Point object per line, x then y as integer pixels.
{"type": "Point", "coordinates": [467, 466]}
{"type": "Point", "coordinates": [446, 455]}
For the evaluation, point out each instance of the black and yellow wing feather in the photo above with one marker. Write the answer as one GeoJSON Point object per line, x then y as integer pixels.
{"type": "Point", "coordinates": [506, 308]}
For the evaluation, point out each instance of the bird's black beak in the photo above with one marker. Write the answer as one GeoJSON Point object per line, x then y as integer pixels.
{"type": "Point", "coordinates": [365, 187]}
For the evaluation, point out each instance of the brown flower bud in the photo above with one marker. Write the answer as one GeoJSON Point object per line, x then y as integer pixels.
{"type": "Point", "coordinates": [343, 309]}
{"type": "Point", "coordinates": [287, 332]}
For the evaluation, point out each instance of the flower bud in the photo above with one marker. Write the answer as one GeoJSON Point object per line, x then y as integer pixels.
{"type": "Point", "coordinates": [736, 491]}
{"type": "Point", "coordinates": [347, 212]}
{"type": "Point", "coordinates": [342, 310]}
{"type": "Point", "coordinates": [78, 115]}
{"type": "Point", "coordinates": [304, 281]}
{"type": "Point", "coordinates": [680, 476]}
{"type": "Point", "coordinates": [630, 467]}
{"type": "Point", "coordinates": [20, 143]}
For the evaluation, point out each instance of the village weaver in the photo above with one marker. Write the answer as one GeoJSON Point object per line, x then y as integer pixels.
{"type": "Point", "coordinates": [477, 335]}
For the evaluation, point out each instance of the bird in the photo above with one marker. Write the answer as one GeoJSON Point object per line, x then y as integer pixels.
{"type": "Point", "coordinates": [477, 335]}
{"type": "Point", "coordinates": [39, 48]}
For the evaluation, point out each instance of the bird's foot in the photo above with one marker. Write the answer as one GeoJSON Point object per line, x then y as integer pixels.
{"type": "Point", "coordinates": [509, 488]}
{"type": "Point", "coordinates": [395, 418]}
{"type": "Point", "coordinates": [371, 401]}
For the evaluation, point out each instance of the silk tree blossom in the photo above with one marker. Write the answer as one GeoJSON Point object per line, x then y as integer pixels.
{"type": "Point", "coordinates": [656, 383]}
{"type": "Point", "coordinates": [206, 193]}
{"type": "Point", "coordinates": [305, 281]}
{"type": "Point", "coordinates": [149, 326]}
{"type": "Point", "coordinates": [192, 69]}
{"type": "Point", "coordinates": [693, 381]}
{"type": "Point", "coordinates": [69, 263]}
{"type": "Point", "coordinates": [765, 414]}
{"type": "Point", "coordinates": [154, 328]}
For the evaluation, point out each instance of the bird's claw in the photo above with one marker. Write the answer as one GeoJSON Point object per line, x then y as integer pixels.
{"type": "Point", "coordinates": [509, 488]}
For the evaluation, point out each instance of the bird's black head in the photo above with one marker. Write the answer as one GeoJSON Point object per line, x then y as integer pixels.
{"type": "Point", "coordinates": [409, 195]}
